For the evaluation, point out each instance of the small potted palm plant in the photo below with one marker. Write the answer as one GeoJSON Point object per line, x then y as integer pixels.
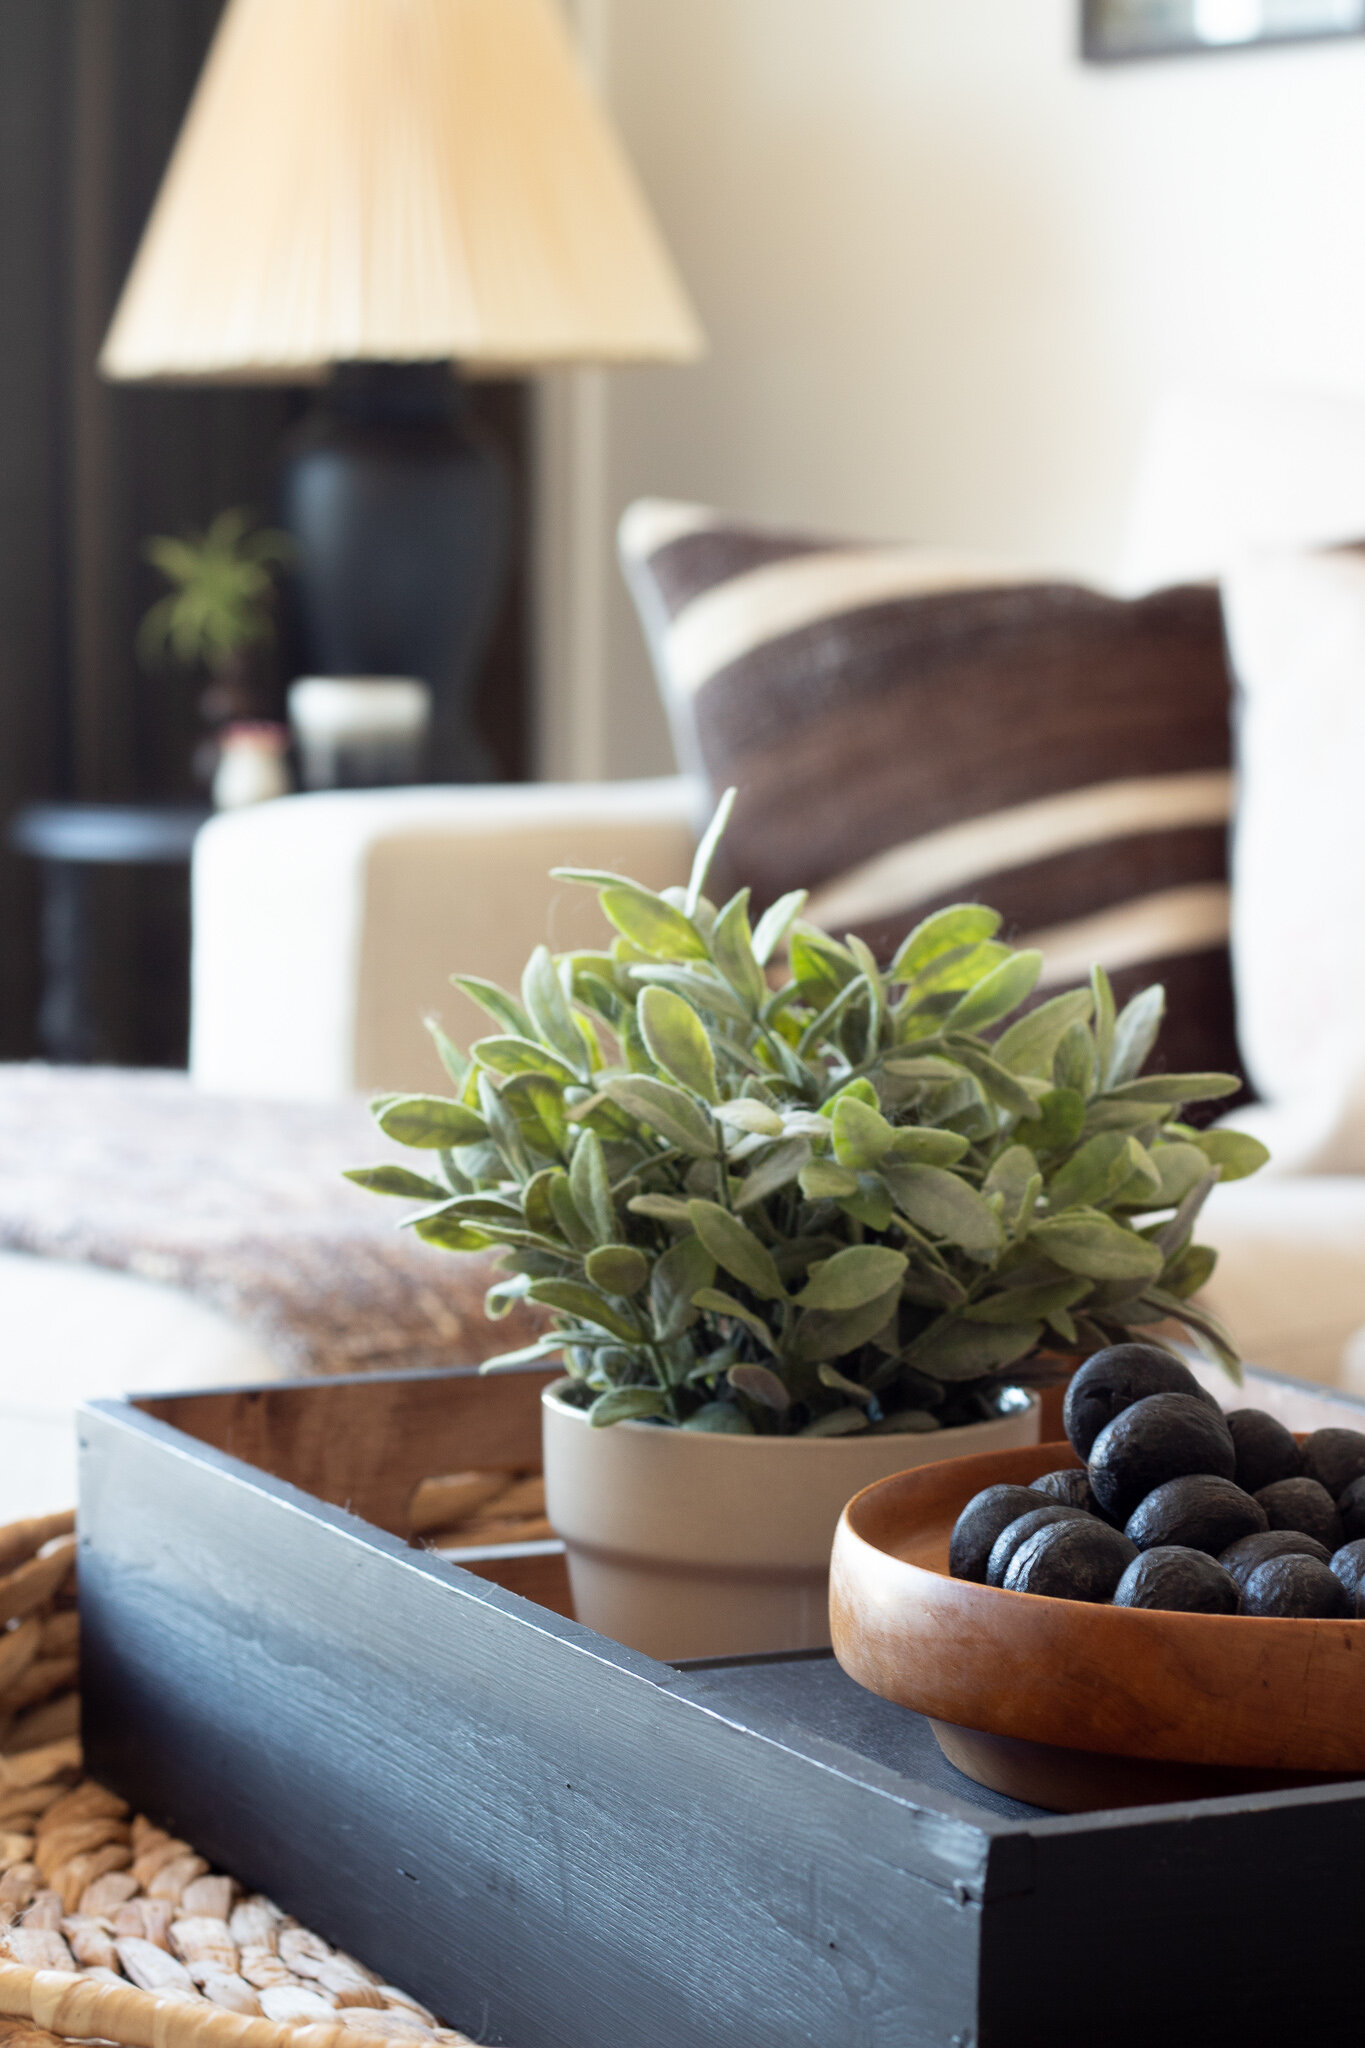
{"type": "Point", "coordinates": [217, 618]}
{"type": "Point", "coordinates": [797, 1230]}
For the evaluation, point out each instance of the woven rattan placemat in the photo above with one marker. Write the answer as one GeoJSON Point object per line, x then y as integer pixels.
{"type": "Point", "coordinates": [113, 1930]}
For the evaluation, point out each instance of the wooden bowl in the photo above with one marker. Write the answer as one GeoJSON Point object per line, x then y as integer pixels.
{"type": "Point", "coordinates": [1071, 1705]}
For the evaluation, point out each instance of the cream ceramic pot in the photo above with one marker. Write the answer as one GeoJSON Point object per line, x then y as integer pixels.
{"type": "Point", "coordinates": [686, 1544]}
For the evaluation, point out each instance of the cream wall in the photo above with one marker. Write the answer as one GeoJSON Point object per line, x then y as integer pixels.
{"type": "Point", "coordinates": [945, 269]}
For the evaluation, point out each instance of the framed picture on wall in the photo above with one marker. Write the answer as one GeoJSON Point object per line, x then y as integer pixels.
{"type": "Point", "coordinates": [1115, 29]}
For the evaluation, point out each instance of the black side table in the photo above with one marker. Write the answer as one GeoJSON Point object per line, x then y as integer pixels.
{"type": "Point", "coordinates": [70, 839]}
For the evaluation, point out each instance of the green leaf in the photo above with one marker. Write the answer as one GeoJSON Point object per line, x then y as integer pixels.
{"type": "Point", "coordinates": [756, 1117]}
{"type": "Point", "coordinates": [1012, 1178]}
{"type": "Point", "coordinates": [1189, 1270]}
{"type": "Point", "coordinates": [1075, 1064]}
{"type": "Point", "coordinates": [833, 1333]}
{"type": "Point", "coordinates": [1142, 1189]}
{"type": "Point", "coordinates": [505, 1011]}
{"type": "Point", "coordinates": [1174, 1089]}
{"type": "Point", "coordinates": [823, 1181]}
{"type": "Point", "coordinates": [685, 1269]}
{"type": "Point", "coordinates": [1093, 1244]}
{"type": "Point", "coordinates": [777, 1167]}
{"type": "Point", "coordinates": [1108, 1113]}
{"type": "Point", "coordinates": [1030, 1045]}
{"type": "Point", "coordinates": [590, 1185]}
{"type": "Point", "coordinates": [820, 1031]}
{"type": "Point", "coordinates": [573, 1227]}
{"type": "Point", "coordinates": [650, 923]}
{"type": "Point", "coordinates": [537, 1103]}
{"type": "Point", "coordinates": [503, 1128]}
{"type": "Point", "coordinates": [1233, 1151]}
{"type": "Point", "coordinates": [504, 1295]}
{"type": "Point", "coordinates": [586, 1305]}
{"type": "Point", "coordinates": [395, 1180]}
{"type": "Point", "coordinates": [950, 975]}
{"type": "Point", "coordinates": [954, 1350]}
{"type": "Point", "coordinates": [429, 1123]}
{"type": "Point", "coordinates": [486, 1207]}
{"type": "Point", "coordinates": [535, 1200]}
{"type": "Point", "coordinates": [732, 949]}
{"type": "Point", "coordinates": [776, 921]}
{"type": "Point", "coordinates": [1171, 1236]}
{"type": "Point", "coordinates": [872, 1205]}
{"type": "Point", "coordinates": [819, 963]}
{"type": "Point", "coordinates": [529, 1354]}
{"type": "Point", "coordinates": [1180, 1167]}
{"type": "Point", "coordinates": [668, 1209]}
{"type": "Point", "coordinates": [617, 1268]}
{"type": "Point", "coordinates": [1060, 1122]}
{"type": "Point", "coordinates": [858, 1090]}
{"type": "Point", "coordinates": [453, 1235]}
{"type": "Point", "coordinates": [1135, 1033]}
{"type": "Point", "coordinates": [876, 989]}
{"type": "Point", "coordinates": [703, 987]}
{"type": "Point", "coordinates": [945, 1206]}
{"type": "Point", "coordinates": [451, 1058]}
{"type": "Point", "coordinates": [839, 1422]}
{"type": "Point", "coordinates": [735, 1248]}
{"type": "Point", "coordinates": [667, 1110]}
{"type": "Point", "coordinates": [997, 993]}
{"type": "Point", "coordinates": [946, 931]}
{"type": "Point", "coordinates": [1103, 1027]}
{"type": "Point", "coordinates": [907, 1422]}
{"type": "Point", "coordinates": [678, 1041]}
{"type": "Point", "coordinates": [1020, 1305]}
{"type": "Point", "coordinates": [548, 1008]}
{"type": "Point", "coordinates": [706, 851]}
{"type": "Point", "coordinates": [862, 1136]}
{"type": "Point", "coordinates": [760, 1383]}
{"type": "Point", "coordinates": [839, 1383]}
{"type": "Point", "coordinates": [627, 1404]}
{"type": "Point", "coordinates": [720, 1418]}
{"type": "Point", "coordinates": [859, 1274]}
{"type": "Point", "coordinates": [997, 1081]}
{"type": "Point", "coordinates": [522, 1056]}
{"type": "Point", "coordinates": [719, 1303]}
{"type": "Point", "coordinates": [917, 1145]}
{"type": "Point", "coordinates": [928, 1066]}
{"type": "Point", "coordinates": [1094, 1174]}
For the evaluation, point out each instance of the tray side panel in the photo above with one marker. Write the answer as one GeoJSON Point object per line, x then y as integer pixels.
{"type": "Point", "coordinates": [519, 1822]}
{"type": "Point", "coordinates": [1200, 1924]}
{"type": "Point", "coordinates": [364, 1442]}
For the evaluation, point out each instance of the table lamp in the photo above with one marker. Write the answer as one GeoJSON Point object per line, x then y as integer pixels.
{"type": "Point", "coordinates": [365, 195]}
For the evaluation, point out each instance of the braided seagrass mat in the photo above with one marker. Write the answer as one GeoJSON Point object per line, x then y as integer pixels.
{"type": "Point", "coordinates": [112, 1930]}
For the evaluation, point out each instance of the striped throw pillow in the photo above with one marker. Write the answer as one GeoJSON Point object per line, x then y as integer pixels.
{"type": "Point", "coordinates": [908, 728]}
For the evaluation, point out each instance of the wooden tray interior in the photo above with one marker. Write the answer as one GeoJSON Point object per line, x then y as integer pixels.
{"type": "Point", "coordinates": [363, 1442]}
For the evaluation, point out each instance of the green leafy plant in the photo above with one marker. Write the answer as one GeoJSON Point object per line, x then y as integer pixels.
{"type": "Point", "coordinates": [221, 604]}
{"type": "Point", "coordinates": [841, 1199]}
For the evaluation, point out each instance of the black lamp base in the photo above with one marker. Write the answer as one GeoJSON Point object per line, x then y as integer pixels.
{"type": "Point", "coordinates": [402, 509]}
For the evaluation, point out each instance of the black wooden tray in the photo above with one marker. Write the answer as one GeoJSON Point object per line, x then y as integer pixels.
{"type": "Point", "coordinates": [559, 1843]}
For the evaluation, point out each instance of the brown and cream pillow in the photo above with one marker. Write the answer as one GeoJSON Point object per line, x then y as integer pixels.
{"type": "Point", "coordinates": [909, 728]}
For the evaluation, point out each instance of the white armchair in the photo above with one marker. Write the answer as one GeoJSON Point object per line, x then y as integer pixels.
{"type": "Point", "coordinates": [326, 927]}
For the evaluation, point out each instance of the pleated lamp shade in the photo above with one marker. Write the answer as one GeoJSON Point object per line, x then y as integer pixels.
{"type": "Point", "coordinates": [396, 181]}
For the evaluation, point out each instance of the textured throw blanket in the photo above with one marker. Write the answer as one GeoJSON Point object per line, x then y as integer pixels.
{"type": "Point", "coordinates": [242, 1204]}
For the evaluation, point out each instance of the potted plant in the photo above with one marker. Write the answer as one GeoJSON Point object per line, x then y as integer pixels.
{"type": "Point", "coordinates": [797, 1230]}
{"type": "Point", "coordinates": [217, 615]}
